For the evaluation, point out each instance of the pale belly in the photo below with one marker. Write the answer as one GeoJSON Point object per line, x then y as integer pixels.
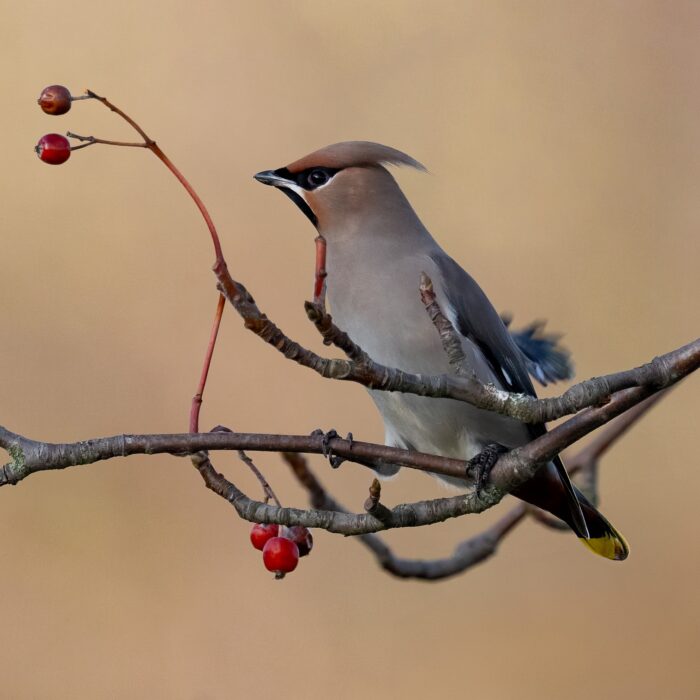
{"type": "Point", "coordinates": [443, 426]}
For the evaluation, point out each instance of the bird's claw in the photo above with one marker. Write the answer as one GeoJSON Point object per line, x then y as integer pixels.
{"type": "Point", "coordinates": [326, 438]}
{"type": "Point", "coordinates": [334, 460]}
{"type": "Point", "coordinates": [479, 467]}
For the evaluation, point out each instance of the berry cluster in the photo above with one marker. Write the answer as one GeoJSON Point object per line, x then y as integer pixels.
{"type": "Point", "coordinates": [281, 546]}
{"type": "Point", "coordinates": [54, 148]}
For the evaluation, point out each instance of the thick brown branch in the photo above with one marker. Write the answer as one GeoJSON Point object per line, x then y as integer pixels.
{"type": "Point", "coordinates": [404, 515]}
{"type": "Point", "coordinates": [511, 470]}
{"type": "Point", "coordinates": [468, 553]}
{"type": "Point", "coordinates": [30, 456]}
{"type": "Point", "coordinates": [661, 372]}
{"type": "Point", "coordinates": [479, 547]}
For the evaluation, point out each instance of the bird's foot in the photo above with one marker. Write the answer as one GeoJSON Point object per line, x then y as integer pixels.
{"type": "Point", "coordinates": [334, 460]}
{"type": "Point", "coordinates": [479, 467]}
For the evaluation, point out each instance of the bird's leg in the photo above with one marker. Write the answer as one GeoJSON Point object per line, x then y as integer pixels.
{"type": "Point", "coordinates": [479, 467]}
{"type": "Point", "coordinates": [326, 450]}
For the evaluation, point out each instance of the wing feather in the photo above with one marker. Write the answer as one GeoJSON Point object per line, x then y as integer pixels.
{"type": "Point", "coordinates": [478, 321]}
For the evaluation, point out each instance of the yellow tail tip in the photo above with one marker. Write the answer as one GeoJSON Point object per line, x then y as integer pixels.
{"type": "Point", "coordinates": [611, 546]}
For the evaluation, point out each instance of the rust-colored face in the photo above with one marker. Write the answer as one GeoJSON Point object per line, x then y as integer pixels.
{"type": "Point", "coordinates": [335, 181]}
{"type": "Point", "coordinates": [300, 186]}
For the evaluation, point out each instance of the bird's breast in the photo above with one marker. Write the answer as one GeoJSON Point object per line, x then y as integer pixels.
{"type": "Point", "coordinates": [375, 298]}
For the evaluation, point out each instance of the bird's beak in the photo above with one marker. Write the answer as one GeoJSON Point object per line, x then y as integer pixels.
{"type": "Point", "coordinates": [270, 177]}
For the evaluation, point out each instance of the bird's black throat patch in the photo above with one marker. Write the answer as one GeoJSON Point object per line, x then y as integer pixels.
{"type": "Point", "coordinates": [299, 201]}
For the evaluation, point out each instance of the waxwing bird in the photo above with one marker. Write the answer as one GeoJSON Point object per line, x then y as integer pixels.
{"type": "Point", "coordinates": [377, 249]}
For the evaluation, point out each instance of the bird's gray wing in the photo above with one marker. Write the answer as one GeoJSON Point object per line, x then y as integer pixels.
{"type": "Point", "coordinates": [477, 320]}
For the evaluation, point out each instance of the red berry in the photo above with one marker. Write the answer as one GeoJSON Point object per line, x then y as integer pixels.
{"type": "Point", "coordinates": [280, 555]}
{"type": "Point", "coordinates": [53, 149]}
{"type": "Point", "coordinates": [260, 534]}
{"type": "Point", "coordinates": [55, 99]}
{"type": "Point", "coordinates": [301, 536]}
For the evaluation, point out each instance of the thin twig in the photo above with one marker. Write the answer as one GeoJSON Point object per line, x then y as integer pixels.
{"type": "Point", "coordinates": [91, 140]}
{"type": "Point", "coordinates": [375, 493]}
{"type": "Point", "coordinates": [468, 553]}
{"type": "Point", "coordinates": [123, 115]}
{"type": "Point", "coordinates": [451, 341]}
{"type": "Point", "coordinates": [267, 489]}
{"type": "Point", "coordinates": [597, 447]}
{"type": "Point", "coordinates": [584, 464]}
{"type": "Point", "coordinates": [218, 252]}
{"type": "Point", "coordinates": [157, 151]}
{"type": "Point", "coordinates": [197, 398]}
{"type": "Point", "coordinates": [195, 197]}
{"type": "Point", "coordinates": [320, 273]}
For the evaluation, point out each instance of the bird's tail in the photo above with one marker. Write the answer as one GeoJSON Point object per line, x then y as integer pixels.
{"type": "Point", "coordinates": [552, 490]}
{"type": "Point", "coordinates": [602, 538]}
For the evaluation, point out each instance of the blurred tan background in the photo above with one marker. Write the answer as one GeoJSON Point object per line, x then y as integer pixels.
{"type": "Point", "coordinates": [562, 140]}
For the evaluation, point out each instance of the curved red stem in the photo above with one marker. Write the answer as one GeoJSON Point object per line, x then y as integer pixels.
{"type": "Point", "coordinates": [197, 398]}
{"type": "Point", "coordinates": [321, 274]}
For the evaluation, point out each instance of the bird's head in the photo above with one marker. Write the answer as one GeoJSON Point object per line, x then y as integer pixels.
{"type": "Point", "coordinates": [341, 181]}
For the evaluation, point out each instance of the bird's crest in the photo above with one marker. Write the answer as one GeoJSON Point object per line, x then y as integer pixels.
{"type": "Point", "coordinates": [349, 154]}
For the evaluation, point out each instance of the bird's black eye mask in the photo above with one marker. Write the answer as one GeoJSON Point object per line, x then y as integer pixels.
{"type": "Point", "coordinates": [309, 180]}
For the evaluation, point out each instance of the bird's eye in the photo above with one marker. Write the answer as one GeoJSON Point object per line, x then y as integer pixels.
{"type": "Point", "coordinates": [317, 177]}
